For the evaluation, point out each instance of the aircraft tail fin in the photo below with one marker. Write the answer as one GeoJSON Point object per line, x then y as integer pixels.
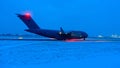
{"type": "Point", "coordinates": [27, 19]}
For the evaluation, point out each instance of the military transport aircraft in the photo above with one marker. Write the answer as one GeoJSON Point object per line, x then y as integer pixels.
{"type": "Point", "coordinates": [56, 34]}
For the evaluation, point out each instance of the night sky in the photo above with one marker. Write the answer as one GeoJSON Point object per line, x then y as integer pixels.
{"type": "Point", "coordinates": [92, 16]}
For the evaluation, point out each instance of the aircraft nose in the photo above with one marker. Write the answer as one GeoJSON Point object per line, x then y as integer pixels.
{"type": "Point", "coordinates": [85, 35]}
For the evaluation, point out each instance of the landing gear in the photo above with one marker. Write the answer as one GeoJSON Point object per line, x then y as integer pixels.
{"type": "Point", "coordinates": [83, 38]}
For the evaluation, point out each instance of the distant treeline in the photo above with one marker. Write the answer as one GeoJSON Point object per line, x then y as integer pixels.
{"type": "Point", "coordinates": [8, 34]}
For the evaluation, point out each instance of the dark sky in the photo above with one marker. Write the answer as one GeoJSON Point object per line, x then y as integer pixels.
{"type": "Point", "coordinates": [92, 16]}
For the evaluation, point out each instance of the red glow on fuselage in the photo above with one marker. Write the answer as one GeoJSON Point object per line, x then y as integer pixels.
{"type": "Point", "coordinates": [73, 40]}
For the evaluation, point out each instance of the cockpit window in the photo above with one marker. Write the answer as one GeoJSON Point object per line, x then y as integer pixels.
{"type": "Point", "coordinates": [77, 34]}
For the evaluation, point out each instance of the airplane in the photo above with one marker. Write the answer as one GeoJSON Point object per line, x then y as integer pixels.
{"type": "Point", "coordinates": [55, 34]}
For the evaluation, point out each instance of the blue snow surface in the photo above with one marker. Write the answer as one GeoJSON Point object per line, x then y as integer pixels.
{"type": "Point", "coordinates": [59, 54]}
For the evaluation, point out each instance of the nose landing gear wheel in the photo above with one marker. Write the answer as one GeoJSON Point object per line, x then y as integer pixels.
{"type": "Point", "coordinates": [83, 38]}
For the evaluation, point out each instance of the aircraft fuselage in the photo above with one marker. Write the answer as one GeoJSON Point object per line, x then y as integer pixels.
{"type": "Point", "coordinates": [56, 34]}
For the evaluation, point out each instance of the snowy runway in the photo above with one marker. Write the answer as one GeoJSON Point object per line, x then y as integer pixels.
{"type": "Point", "coordinates": [51, 53]}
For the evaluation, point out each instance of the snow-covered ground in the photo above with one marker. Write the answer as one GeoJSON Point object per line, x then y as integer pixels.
{"type": "Point", "coordinates": [59, 54]}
